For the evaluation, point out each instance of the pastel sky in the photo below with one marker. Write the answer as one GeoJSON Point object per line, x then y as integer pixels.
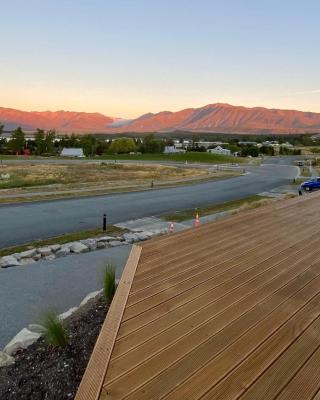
{"type": "Point", "coordinates": [128, 57]}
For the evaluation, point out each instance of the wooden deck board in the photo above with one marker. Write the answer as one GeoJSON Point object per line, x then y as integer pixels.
{"type": "Point", "coordinates": [226, 311]}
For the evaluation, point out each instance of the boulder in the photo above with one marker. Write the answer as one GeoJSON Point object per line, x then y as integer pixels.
{"type": "Point", "coordinates": [50, 257]}
{"type": "Point", "coordinates": [105, 239]}
{"type": "Point", "coordinates": [55, 247]}
{"type": "Point", "coordinates": [28, 253]}
{"type": "Point", "coordinates": [5, 359]}
{"type": "Point", "coordinates": [101, 245]}
{"type": "Point", "coordinates": [142, 236]}
{"type": "Point", "coordinates": [27, 261]}
{"type": "Point", "coordinates": [68, 313]}
{"type": "Point", "coordinates": [130, 237]}
{"type": "Point", "coordinates": [115, 243]}
{"type": "Point", "coordinates": [37, 328]}
{"type": "Point", "coordinates": [64, 251]}
{"type": "Point", "coordinates": [78, 247]}
{"type": "Point", "coordinates": [17, 256]}
{"type": "Point", "coordinates": [90, 243]}
{"type": "Point", "coordinates": [37, 257]}
{"type": "Point", "coordinates": [9, 261]}
{"type": "Point", "coordinates": [22, 340]}
{"type": "Point", "coordinates": [44, 251]}
{"type": "Point", "coordinates": [89, 297]}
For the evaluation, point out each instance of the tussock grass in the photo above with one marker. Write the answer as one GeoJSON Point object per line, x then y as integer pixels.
{"type": "Point", "coordinates": [56, 334]}
{"type": "Point", "coordinates": [109, 283]}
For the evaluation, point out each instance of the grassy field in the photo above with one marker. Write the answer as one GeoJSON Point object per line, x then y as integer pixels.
{"type": "Point", "coordinates": [90, 174]}
{"type": "Point", "coordinates": [68, 237]}
{"type": "Point", "coordinates": [192, 157]}
{"type": "Point", "coordinates": [190, 213]}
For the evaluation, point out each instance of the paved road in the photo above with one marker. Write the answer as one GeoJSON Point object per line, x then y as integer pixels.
{"type": "Point", "coordinates": [25, 222]}
{"type": "Point", "coordinates": [28, 292]}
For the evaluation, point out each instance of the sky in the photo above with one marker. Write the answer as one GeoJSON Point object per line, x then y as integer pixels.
{"type": "Point", "coordinates": [125, 58]}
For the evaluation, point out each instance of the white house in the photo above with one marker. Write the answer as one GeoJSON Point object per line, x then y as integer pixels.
{"type": "Point", "coordinates": [219, 150]}
{"type": "Point", "coordinates": [173, 149]}
{"type": "Point", "coordinates": [72, 152]}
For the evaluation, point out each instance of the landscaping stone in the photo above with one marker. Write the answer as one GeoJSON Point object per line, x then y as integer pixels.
{"type": "Point", "coordinates": [78, 247]}
{"type": "Point", "coordinates": [101, 245]}
{"type": "Point", "coordinates": [142, 236]}
{"type": "Point", "coordinates": [5, 359]}
{"type": "Point", "coordinates": [27, 261]}
{"type": "Point", "coordinates": [17, 256]}
{"type": "Point", "coordinates": [9, 261]}
{"type": "Point", "coordinates": [68, 313]}
{"type": "Point", "coordinates": [22, 340]}
{"type": "Point", "coordinates": [37, 328]}
{"type": "Point", "coordinates": [130, 237]}
{"type": "Point", "coordinates": [28, 253]}
{"type": "Point", "coordinates": [64, 251]}
{"type": "Point", "coordinates": [44, 251]}
{"type": "Point", "coordinates": [37, 257]}
{"type": "Point", "coordinates": [55, 247]}
{"type": "Point", "coordinates": [89, 297]}
{"type": "Point", "coordinates": [90, 243]}
{"type": "Point", "coordinates": [115, 243]}
{"type": "Point", "coordinates": [50, 257]}
{"type": "Point", "coordinates": [106, 239]}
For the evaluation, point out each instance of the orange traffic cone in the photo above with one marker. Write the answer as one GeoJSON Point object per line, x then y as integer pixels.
{"type": "Point", "coordinates": [197, 221]}
{"type": "Point", "coordinates": [171, 227]}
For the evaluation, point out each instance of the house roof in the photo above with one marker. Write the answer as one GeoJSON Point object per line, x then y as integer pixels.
{"type": "Point", "coordinates": [72, 151]}
{"type": "Point", "coordinates": [230, 310]}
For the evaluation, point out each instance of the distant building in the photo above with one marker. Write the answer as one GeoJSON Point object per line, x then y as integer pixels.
{"type": "Point", "coordinates": [173, 149]}
{"type": "Point", "coordinates": [219, 150]}
{"type": "Point", "coordinates": [208, 144]}
{"type": "Point", "coordinates": [247, 143]}
{"type": "Point", "coordinates": [72, 152]}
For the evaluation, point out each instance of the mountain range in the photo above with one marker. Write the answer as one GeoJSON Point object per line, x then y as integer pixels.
{"type": "Point", "coordinates": [212, 118]}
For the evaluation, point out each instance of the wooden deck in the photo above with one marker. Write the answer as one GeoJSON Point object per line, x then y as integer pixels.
{"type": "Point", "coordinates": [230, 310]}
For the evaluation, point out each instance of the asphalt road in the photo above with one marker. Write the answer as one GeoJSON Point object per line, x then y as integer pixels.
{"type": "Point", "coordinates": [28, 292]}
{"type": "Point", "coordinates": [23, 223]}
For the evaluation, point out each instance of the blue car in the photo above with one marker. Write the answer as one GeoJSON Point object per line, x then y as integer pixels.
{"type": "Point", "coordinates": [312, 184]}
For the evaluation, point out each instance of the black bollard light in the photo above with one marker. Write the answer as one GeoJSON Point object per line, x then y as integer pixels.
{"type": "Point", "coordinates": [104, 227]}
{"type": "Point", "coordinates": [300, 192]}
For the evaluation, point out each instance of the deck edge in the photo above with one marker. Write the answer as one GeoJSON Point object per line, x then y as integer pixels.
{"type": "Point", "coordinates": [93, 378]}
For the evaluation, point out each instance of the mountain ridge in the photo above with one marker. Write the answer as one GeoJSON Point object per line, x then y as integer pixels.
{"type": "Point", "coordinates": [211, 118]}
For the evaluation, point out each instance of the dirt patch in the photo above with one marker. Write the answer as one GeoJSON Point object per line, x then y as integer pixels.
{"type": "Point", "coordinates": [46, 373]}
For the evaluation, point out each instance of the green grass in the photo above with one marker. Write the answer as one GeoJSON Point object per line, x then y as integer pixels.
{"type": "Point", "coordinates": [191, 157]}
{"type": "Point", "coordinates": [20, 183]}
{"type": "Point", "coordinates": [184, 215]}
{"type": "Point", "coordinates": [56, 334]}
{"type": "Point", "coordinates": [68, 237]}
{"type": "Point", "coordinates": [109, 283]}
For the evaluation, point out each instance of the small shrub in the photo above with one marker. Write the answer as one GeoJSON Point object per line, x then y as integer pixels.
{"type": "Point", "coordinates": [109, 283]}
{"type": "Point", "coordinates": [56, 334]}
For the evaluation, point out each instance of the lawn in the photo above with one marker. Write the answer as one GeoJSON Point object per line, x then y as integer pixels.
{"type": "Point", "coordinates": [190, 213]}
{"type": "Point", "coordinates": [192, 157]}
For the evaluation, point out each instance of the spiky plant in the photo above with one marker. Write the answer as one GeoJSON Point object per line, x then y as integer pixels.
{"type": "Point", "coordinates": [109, 283]}
{"type": "Point", "coordinates": [56, 333]}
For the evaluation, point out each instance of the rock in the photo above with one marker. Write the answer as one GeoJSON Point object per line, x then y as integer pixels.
{"type": "Point", "coordinates": [28, 253]}
{"type": "Point", "coordinates": [115, 243]}
{"type": "Point", "coordinates": [37, 328]}
{"type": "Point", "coordinates": [89, 297]}
{"type": "Point", "coordinates": [101, 245]}
{"type": "Point", "coordinates": [5, 359]}
{"type": "Point", "coordinates": [68, 313]}
{"type": "Point", "coordinates": [9, 261]}
{"type": "Point", "coordinates": [142, 236]}
{"type": "Point", "coordinates": [105, 239]}
{"type": "Point", "coordinates": [130, 237]}
{"type": "Point", "coordinates": [78, 247]}
{"type": "Point", "coordinates": [22, 340]}
{"type": "Point", "coordinates": [45, 251]}
{"type": "Point", "coordinates": [90, 243]}
{"type": "Point", "coordinates": [17, 256]}
{"type": "Point", "coordinates": [64, 251]}
{"type": "Point", "coordinates": [37, 257]}
{"type": "Point", "coordinates": [27, 261]}
{"type": "Point", "coordinates": [55, 247]}
{"type": "Point", "coordinates": [50, 257]}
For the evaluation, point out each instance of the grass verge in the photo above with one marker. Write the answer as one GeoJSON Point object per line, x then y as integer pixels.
{"type": "Point", "coordinates": [180, 216]}
{"type": "Point", "coordinates": [68, 237]}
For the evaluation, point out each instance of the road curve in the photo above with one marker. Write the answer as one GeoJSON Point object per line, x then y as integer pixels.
{"type": "Point", "coordinates": [23, 223]}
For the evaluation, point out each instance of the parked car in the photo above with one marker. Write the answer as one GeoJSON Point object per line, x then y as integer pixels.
{"type": "Point", "coordinates": [300, 163]}
{"type": "Point", "coordinates": [311, 184]}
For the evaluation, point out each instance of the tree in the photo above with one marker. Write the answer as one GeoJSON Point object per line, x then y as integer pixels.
{"type": "Point", "coordinates": [17, 141]}
{"type": "Point", "coordinates": [40, 141]}
{"type": "Point", "coordinates": [89, 145]}
{"type": "Point", "coordinates": [49, 141]}
{"type": "Point", "coordinates": [1, 129]}
{"type": "Point", "coordinates": [152, 145]}
{"type": "Point", "coordinates": [123, 145]}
